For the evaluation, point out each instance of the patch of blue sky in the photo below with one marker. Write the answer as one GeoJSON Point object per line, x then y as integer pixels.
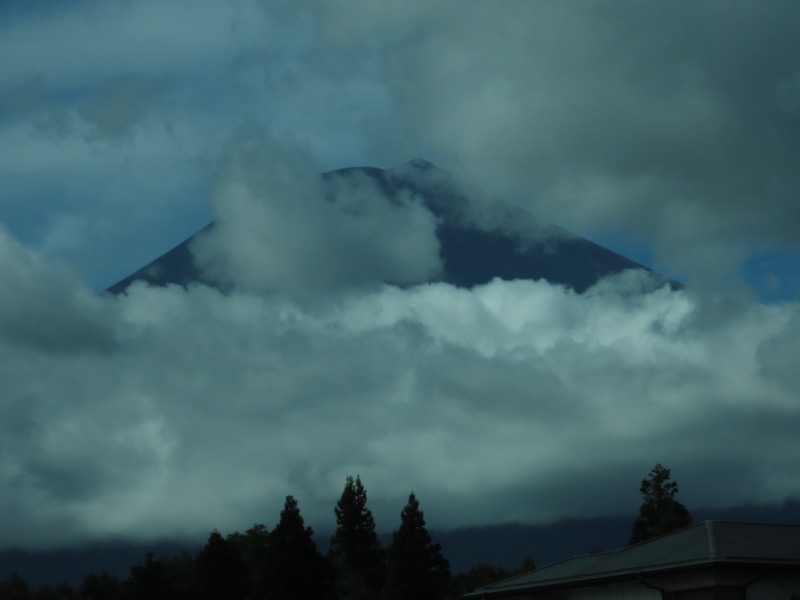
{"type": "Point", "coordinates": [774, 275]}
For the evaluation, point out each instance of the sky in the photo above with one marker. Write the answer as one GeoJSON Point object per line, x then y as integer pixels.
{"type": "Point", "coordinates": [668, 131]}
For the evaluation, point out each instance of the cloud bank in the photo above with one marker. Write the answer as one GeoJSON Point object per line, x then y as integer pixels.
{"type": "Point", "coordinates": [166, 412]}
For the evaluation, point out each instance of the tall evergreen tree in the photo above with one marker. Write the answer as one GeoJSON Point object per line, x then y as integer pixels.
{"type": "Point", "coordinates": [295, 570]}
{"type": "Point", "coordinates": [355, 550]}
{"type": "Point", "coordinates": [660, 512]}
{"type": "Point", "coordinates": [417, 570]}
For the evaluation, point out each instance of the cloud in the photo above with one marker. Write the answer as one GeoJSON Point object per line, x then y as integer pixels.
{"type": "Point", "coordinates": [179, 410]}
{"type": "Point", "coordinates": [43, 309]}
{"type": "Point", "coordinates": [672, 125]}
{"type": "Point", "coordinates": [91, 41]}
{"type": "Point", "coordinates": [675, 122]}
{"type": "Point", "coordinates": [117, 139]}
{"type": "Point", "coordinates": [118, 108]}
{"type": "Point", "coordinates": [278, 228]}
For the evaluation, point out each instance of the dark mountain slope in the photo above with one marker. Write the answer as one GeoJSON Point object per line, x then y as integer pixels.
{"type": "Point", "coordinates": [471, 254]}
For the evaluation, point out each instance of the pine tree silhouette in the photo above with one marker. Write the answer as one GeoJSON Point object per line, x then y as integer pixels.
{"type": "Point", "coordinates": [355, 549]}
{"type": "Point", "coordinates": [295, 569]}
{"type": "Point", "coordinates": [417, 570]}
{"type": "Point", "coordinates": [660, 512]}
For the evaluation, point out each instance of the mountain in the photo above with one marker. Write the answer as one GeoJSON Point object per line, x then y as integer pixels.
{"type": "Point", "coordinates": [472, 252]}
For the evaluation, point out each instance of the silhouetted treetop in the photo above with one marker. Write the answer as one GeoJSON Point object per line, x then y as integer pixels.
{"type": "Point", "coordinates": [660, 512]}
{"type": "Point", "coordinates": [417, 570]}
{"type": "Point", "coordinates": [354, 548]}
{"type": "Point", "coordinates": [295, 570]}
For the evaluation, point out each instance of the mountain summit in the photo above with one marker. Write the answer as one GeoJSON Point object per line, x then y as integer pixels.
{"type": "Point", "coordinates": [476, 245]}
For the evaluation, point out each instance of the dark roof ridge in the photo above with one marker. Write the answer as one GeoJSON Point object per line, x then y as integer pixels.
{"type": "Point", "coordinates": [711, 526]}
{"type": "Point", "coordinates": [712, 542]}
{"type": "Point", "coordinates": [658, 537]}
{"type": "Point", "coordinates": [700, 544]}
{"type": "Point", "coordinates": [759, 523]}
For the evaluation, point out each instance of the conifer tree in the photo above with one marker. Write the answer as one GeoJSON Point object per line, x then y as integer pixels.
{"type": "Point", "coordinates": [355, 550]}
{"type": "Point", "coordinates": [295, 570]}
{"type": "Point", "coordinates": [417, 570]}
{"type": "Point", "coordinates": [660, 512]}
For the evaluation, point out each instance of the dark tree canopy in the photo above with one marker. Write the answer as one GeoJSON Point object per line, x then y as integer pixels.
{"type": "Point", "coordinates": [355, 549]}
{"type": "Point", "coordinates": [100, 586]}
{"type": "Point", "coordinates": [660, 512]}
{"type": "Point", "coordinates": [485, 574]}
{"type": "Point", "coordinates": [295, 569]}
{"type": "Point", "coordinates": [221, 570]}
{"type": "Point", "coordinates": [253, 548]}
{"type": "Point", "coordinates": [149, 580]}
{"type": "Point", "coordinates": [14, 588]}
{"type": "Point", "coordinates": [417, 570]}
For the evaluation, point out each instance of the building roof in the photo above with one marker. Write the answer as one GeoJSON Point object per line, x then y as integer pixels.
{"type": "Point", "coordinates": [707, 543]}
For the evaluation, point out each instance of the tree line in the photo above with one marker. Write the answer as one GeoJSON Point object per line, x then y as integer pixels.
{"type": "Point", "coordinates": [284, 563]}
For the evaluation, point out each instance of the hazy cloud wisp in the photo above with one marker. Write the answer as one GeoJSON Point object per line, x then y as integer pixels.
{"type": "Point", "coordinates": [279, 227]}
